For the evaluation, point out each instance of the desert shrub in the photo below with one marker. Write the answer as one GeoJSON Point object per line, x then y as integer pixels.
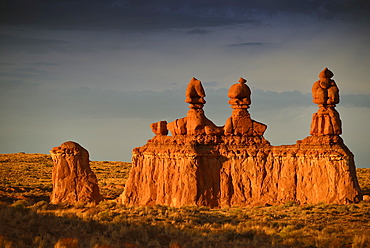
{"type": "Point", "coordinates": [292, 231]}
{"type": "Point", "coordinates": [361, 240]}
{"type": "Point", "coordinates": [41, 205]}
{"type": "Point", "coordinates": [102, 246]}
{"type": "Point", "coordinates": [21, 204]}
{"type": "Point", "coordinates": [331, 230]}
{"type": "Point", "coordinates": [175, 245]}
{"type": "Point", "coordinates": [4, 243]}
{"type": "Point", "coordinates": [67, 243]}
{"type": "Point", "coordinates": [103, 216]}
{"type": "Point", "coordinates": [289, 204]}
{"type": "Point", "coordinates": [307, 207]}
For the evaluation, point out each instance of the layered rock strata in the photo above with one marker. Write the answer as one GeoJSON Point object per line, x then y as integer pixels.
{"type": "Point", "coordinates": [73, 179]}
{"type": "Point", "coordinates": [234, 165]}
{"type": "Point", "coordinates": [225, 171]}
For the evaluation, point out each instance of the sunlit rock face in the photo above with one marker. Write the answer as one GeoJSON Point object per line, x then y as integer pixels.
{"type": "Point", "coordinates": [325, 93]}
{"type": "Point", "coordinates": [73, 179]}
{"type": "Point", "coordinates": [234, 165]}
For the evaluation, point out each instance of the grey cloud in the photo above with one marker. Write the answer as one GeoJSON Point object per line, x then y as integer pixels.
{"type": "Point", "coordinates": [148, 15]}
{"type": "Point", "coordinates": [133, 15]}
{"type": "Point", "coordinates": [31, 45]}
{"type": "Point", "coordinates": [247, 44]}
{"type": "Point", "coordinates": [198, 31]}
{"type": "Point", "coordinates": [19, 87]}
{"type": "Point", "coordinates": [280, 99]}
{"type": "Point", "coordinates": [29, 70]}
{"type": "Point", "coordinates": [30, 73]}
{"type": "Point", "coordinates": [210, 84]}
{"type": "Point", "coordinates": [238, 10]}
{"type": "Point", "coordinates": [30, 64]}
{"type": "Point", "coordinates": [152, 105]}
{"type": "Point", "coordinates": [42, 64]}
{"type": "Point", "coordinates": [351, 100]}
{"type": "Point", "coordinates": [268, 99]}
{"type": "Point", "coordinates": [11, 44]}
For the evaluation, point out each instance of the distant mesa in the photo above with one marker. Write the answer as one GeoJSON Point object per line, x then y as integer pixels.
{"type": "Point", "coordinates": [73, 179]}
{"type": "Point", "coordinates": [202, 164]}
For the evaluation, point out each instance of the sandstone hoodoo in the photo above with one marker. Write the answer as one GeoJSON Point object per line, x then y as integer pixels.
{"type": "Point", "coordinates": [325, 93]}
{"type": "Point", "coordinates": [73, 179]}
{"type": "Point", "coordinates": [240, 122]}
{"type": "Point", "coordinates": [206, 165]}
{"type": "Point", "coordinates": [195, 123]}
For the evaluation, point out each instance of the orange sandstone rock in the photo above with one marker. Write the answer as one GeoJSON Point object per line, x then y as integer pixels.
{"type": "Point", "coordinates": [205, 165]}
{"type": "Point", "coordinates": [325, 93]}
{"type": "Point", "coordinates": [159, 128]}
{"type": "Point", "coordinates": [226, 171]}
{"type": "Point", "coordinates": [73, 180]}
{"type": "Point", "coordinates": [195, 93]}
{"type": "Point", "coordinates": [195, 122]}
{"type": "Point", "coordinates": [240, 93]}
{"type": "Point", "coordinates": [240, 122]}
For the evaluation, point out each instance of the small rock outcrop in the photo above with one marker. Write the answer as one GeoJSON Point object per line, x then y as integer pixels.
{"type": "Point", "coordinates": [234, 165]}
{"type": "Point", "coordinates": [73, 179]}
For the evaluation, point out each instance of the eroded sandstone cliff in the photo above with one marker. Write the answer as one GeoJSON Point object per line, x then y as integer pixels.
{"type": "Point", "coordinates": [223, 171]}
{"type": "Point", "coordinates": [234, 165]}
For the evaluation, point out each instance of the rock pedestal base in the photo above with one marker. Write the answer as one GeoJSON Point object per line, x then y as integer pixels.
{"type": "Point", "coordinates": [222, 171]}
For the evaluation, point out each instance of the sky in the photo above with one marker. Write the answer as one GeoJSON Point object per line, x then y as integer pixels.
{"type": "Point", "coordinates": [100, 72]}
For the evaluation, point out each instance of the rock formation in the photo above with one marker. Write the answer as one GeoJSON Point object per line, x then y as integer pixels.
{"type": "Point", "coordinates": [205, 165]}
{"type": "Point", "coordinates": [159, 128]}
{"type": "Point", "coordinates": [240, 122]}
{"type": "Point", "coordinates": [195, 94]}
{"type": "Point", "coordinates": [73, 180]}
{"type": "Point", "coordinates": [195, 123]}
{"type": "Point", "coordinates": [325, 93]}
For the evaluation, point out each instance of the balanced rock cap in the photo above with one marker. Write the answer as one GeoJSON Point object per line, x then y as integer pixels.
{"type": "Point", "coordinates": [326, 73]}
{"type": "Point", "coordinates": [242, 80]}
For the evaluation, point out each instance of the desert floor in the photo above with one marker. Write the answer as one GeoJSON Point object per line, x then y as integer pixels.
{"type": "Point", "coordinates": [27, 219]}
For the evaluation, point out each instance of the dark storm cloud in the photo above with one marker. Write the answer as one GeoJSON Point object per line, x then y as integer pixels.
{"type": "Point", "coordinates": [146, 15]}
{"type": "Point", "coordinates": [126, 15]}
{"type": "Point", "coordinates": [32, 45]}
{"type": "Point", "coordinates": [13, 44]}
{"type": "Point", "coordinates": [198, 31]}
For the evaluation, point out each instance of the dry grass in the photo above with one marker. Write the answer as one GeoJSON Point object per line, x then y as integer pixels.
{"type": "Point", "coordinates": [363, 176]}
{"type": "Point", "coordinates": [28, 177]}
{"type": "Point", "coordinates": [28, 220]}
